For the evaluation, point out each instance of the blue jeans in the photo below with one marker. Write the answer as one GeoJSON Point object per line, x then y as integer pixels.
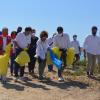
{"type": "Point", "coordinates": [60, 72]}
{"type": "Point", "coordinates": [50, 69]}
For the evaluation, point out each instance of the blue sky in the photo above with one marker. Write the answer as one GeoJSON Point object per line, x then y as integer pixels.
{"type": "Point", "coordinates": [76, 16]}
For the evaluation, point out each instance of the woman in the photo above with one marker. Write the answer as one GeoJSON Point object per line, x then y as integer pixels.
{"type": "Point", "coordinates": [41, 51]}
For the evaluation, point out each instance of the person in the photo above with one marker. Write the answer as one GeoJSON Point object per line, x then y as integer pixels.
{"type": "Point", "coordinates": [75, 44]}
{"type": "Point", "coordinates": [4, 41]}
{"type": "Point", "coordinates": [41, 51]}
{"type": "Point", "coordinates": [0, 32]}
{"type": "Point", "coordinates": [13, 36]}
{"type": "Point", "coordinates": [61, 41]}
{"type": "Point", "coordinates": [50, 43]}
{"type": "Point", "coordinates": [22, 41]}
{"type": "Point", "coordinates": [32, 52]}
{"type": "Point", "coordinates": [92, 49]}
{"type": "Point", "coordinates": [19, 29]}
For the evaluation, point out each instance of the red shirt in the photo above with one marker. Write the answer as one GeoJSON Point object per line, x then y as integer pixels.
{"type": "Point", "coordinates": [1, 43]}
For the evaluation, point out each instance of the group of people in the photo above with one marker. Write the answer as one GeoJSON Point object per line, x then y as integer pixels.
{"type": "Point", "coordinates": [37, 49]}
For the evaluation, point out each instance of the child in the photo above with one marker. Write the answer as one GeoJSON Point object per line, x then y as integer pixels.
{"type": "Point", "coordinates": [41, 51]}
{"type": "Point", "coordinates": [4, 41]}
{"type": "Point", "coordinates": [13, 36]}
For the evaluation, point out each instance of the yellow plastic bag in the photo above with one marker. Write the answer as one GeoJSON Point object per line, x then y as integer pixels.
{"type": "Point", "coordinates": [69, 57]}
{"type": "Point", "coordinates": [4, 60]}
{"type": "Point", "coordinates": [48, 58]}
{"type": "Point", "coordinates": [56, 51]}
{"type": "Point", "coordinates": [8, 49]}
{"type": "Point", "coordinates": [23, 58]}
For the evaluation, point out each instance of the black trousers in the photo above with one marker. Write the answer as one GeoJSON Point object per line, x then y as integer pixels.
{"type": "Point", "coordinates": [63, 59]}
{"type": "Point", "coordinates": [63, 56]}
{"type": "Point", "coordinates": [77, 58]}
{"type": "Point", "coordinates": [31, 65]}
{"type": "Point", "coordinates": [17, 67]}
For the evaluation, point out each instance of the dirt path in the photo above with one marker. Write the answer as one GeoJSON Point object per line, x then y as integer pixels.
{"type": "Point", "coordinates": [74, 88]}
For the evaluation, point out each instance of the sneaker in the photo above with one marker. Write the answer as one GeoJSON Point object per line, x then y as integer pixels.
{"type": "Point", "coordinates": [60, 79]}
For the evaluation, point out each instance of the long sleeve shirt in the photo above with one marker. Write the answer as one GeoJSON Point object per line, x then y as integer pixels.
{"type": "Point", "coordinates": [92, 45]}
{"type": "Point", "coordinates": [41, 50]}
{"type": "Point", "coordinates": [61, 41]}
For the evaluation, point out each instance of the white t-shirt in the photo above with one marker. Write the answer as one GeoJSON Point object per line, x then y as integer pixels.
{"type": "Point", "coordinates": [41, 49]}
{"type": "Point", "coordinates": [92, 45]}
{"type": "Point", "coordinates": [22, 40]}
{"type": "Point", "coordinates": [75, 45]}
{"type": "Point", "coordinates": [62, 42]}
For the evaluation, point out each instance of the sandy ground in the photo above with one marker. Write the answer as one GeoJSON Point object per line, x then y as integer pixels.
{"type": "Point", "coordinates": [74, 88]}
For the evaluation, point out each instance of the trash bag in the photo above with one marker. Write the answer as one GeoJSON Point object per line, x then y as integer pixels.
{"type": "Point", "coordinates": [4, 60]}
{"type": "Point", "coordinates": [23, 58]}
{"type": "Point", "coordinates": [70, 54]}
{"type": "Point", "coordinates": [8, 49]}
{"type": "Point", "coordinates": [55, 50]}
{"type": "Point", "coordinates": [57, 63]}
{"type": "Point", "coordinates": [48, 58]}
{"type": "Point", "coordinates": [55, 59]}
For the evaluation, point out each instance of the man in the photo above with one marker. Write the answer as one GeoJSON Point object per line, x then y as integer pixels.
{"type": "Point", "coordinates": [61, 41]}
{"type": "Point", "coordinates": [4, 40]}
{"type": "Point", "coordinates": [19, 29]}
{"type": "Point", "coordinates": [23, 41]}
{"type": "Point", "coordinates": [75, 44]}
{"type": "Point", "coordinates": [92, 49]}
{"type": "Point", "coordinates": [32, 52]}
